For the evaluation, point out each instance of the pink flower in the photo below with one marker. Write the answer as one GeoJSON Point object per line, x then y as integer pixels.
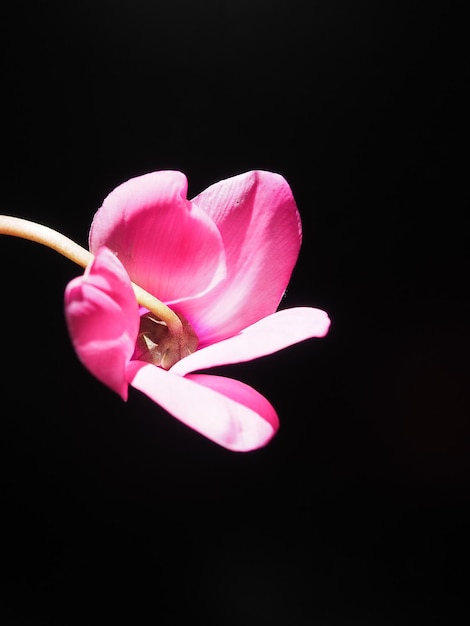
{"type": "Point", "coordinates": [222, 262]}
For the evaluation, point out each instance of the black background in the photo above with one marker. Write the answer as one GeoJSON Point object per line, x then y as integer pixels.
{"type": "Point", "coordinates": [356, 513]}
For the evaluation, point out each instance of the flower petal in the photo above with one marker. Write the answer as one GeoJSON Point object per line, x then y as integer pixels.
{"type": "Point", "coordinates": [226, 411]}
{"type": "Point", "coordinates": [168, 246]}
{"type": "Point", "coordinates": [103, 319]}
{"type": "Point", "coordinates": [269, 335]}
{"type": "Point", "coordinates": [257, 217]}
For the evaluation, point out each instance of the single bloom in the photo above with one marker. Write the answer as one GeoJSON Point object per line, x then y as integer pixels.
{"type": "Point", "coordinates": [221, 262]}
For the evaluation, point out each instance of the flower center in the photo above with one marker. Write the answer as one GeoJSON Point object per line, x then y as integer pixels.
{"type": "Point", "coordinates": [158, 345]}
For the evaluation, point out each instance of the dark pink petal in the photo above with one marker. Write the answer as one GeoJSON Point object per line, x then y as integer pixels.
{"type": "Point", "coordinates": [103, 320]}
{"type": "Point", "coordinates": [168, 246]}
{"type": "Point", "coordinates": [269, 335]}
{"type": "Point", "coordinates": [260, 226]}
{"type": "Point", "coordinates": [225, 411]}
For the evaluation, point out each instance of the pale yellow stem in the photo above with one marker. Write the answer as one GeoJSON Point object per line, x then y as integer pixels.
{"type": "Point", "coordinates": [25, 229]}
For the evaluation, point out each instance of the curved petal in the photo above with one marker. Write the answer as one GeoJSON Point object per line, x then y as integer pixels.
{"type": "Point", "coordinates": [269, 335]}
{"type": "Point", "coordinates": [169, 246]}
{"type": "Point", "coordinates": [103, 320]}
{"type": "Point", "coordinates": [257, 217]}
{"type": "Point", "coordinates": [226, 411]}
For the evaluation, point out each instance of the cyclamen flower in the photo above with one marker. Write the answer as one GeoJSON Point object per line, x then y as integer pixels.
{"type": "Point", "coordinates": [221, 262]}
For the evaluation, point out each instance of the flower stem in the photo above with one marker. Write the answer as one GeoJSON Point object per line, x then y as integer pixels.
{"type": "Point", "coordinates": [46, 236]}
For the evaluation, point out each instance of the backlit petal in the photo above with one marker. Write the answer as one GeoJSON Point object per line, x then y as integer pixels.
{"type": "Point", "coordinates": [269, 335]}
{"type": "Point", "coordinates": [258, 219]}
{"type": "Point", "coordinates": [103, 320]}
{"type": "Point", "coordinates": [168, 246]}
{"type": "Point", "coordinates": [226, 411]}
